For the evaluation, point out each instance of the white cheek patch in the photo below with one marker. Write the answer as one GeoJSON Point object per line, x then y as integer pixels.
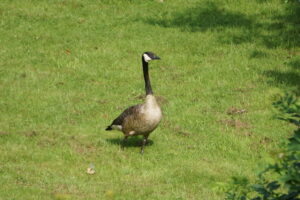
{"type": "Point", "coordinates": [146, 58]}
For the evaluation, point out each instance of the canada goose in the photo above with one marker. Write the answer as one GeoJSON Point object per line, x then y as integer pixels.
{"type": "Point", "coordinates": [143, 118]}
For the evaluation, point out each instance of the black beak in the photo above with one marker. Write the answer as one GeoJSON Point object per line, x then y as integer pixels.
{"type": "Point", "coordinates": [156, 58]}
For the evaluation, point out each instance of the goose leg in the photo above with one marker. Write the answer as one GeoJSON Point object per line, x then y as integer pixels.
{"type": "Point", "coordinates": [124, 141]}
{"type": "Point", "coordinates": [144, 143]}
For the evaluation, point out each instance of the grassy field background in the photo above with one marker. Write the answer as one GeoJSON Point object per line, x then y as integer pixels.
{"type": "Point", "coordinates": [67, 68]}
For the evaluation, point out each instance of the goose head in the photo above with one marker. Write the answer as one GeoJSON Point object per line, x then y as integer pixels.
{"type": "Point", "coordinates": [147, 56]}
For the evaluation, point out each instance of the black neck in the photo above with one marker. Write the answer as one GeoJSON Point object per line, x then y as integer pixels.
{"type": "Point", "coordinates": [146, 77]}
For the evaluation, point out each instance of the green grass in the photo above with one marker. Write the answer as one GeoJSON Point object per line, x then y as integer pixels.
{"type": "Point", "coordinates": [68, 68]}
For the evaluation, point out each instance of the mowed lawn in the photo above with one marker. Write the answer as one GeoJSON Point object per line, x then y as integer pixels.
{"type": "Point", "coordinates": [69, 67]}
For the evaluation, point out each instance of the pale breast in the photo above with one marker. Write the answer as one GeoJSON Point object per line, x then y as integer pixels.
{"type": "Point", "coordinates": [153, 115]}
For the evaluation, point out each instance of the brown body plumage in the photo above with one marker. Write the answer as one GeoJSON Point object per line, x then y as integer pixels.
{"type": "Point", "coordinates": [140, 119]}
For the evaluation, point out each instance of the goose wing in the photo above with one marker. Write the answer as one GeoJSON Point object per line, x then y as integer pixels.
{"type": "Point", "coordinates": [132, 110]}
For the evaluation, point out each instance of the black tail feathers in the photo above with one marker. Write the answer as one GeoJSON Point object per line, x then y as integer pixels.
{"type": "Point", "coordinates": [108, 128]}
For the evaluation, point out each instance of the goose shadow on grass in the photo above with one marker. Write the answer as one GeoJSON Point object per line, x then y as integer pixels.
{"type": "Point", "coordinates": [134, 141]}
